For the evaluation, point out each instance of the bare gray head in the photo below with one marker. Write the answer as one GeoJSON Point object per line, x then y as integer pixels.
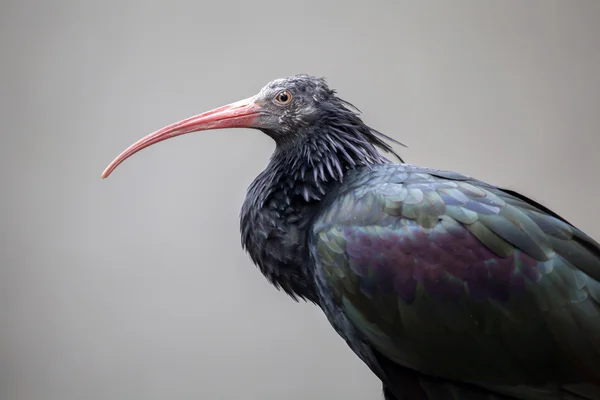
{"type": "Point", "coordinates": [302, 104]}
{"type": "Point", "coordinates": [292, 104]}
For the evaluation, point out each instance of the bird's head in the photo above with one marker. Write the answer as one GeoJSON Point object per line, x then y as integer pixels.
{"type": "Point", "coordinates": [289, 106]}
{"type": "Point", "coordinates": [286, 109]}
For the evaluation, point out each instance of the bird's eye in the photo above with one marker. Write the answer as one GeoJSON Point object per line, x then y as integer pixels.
{"type": "Point", "coordinates": [284, 97]}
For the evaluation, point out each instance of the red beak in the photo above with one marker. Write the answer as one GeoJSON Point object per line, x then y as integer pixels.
{"type": "Point", "coordinates": [241, 114]}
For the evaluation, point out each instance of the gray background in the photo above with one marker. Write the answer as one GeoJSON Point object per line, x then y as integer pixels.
{"type": "Point", "coordinates": [136, 287]}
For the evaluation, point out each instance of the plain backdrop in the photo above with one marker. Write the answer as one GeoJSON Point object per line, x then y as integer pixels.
{"type": "Point", "coordinates": [136, 287]}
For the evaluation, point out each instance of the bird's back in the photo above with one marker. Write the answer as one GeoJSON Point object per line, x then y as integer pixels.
{"type": "Point", "coordinates": [435, 273]}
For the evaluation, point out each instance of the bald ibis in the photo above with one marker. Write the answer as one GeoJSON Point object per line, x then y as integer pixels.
{"type": "Point", "coordinates": [447, 287]}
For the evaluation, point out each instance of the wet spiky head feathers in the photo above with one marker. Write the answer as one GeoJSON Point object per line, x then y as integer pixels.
{"type": "Point", "coordinates": [318, 135]}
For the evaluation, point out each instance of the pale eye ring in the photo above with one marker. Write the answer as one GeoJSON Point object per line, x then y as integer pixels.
{"type": "Point", "coordinates": [284, 97]}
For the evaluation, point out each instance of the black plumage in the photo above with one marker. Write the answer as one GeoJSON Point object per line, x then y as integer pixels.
{"type": "Point", "coordinates": [445, 286]}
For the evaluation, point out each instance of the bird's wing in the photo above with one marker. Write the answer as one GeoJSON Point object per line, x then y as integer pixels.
{"type": "Point", "coordinates": [461, 280]}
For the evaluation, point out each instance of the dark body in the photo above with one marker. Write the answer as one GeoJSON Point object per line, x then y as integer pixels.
{"type": "Point", "coordinates": [445, 286]}
{"type": "Point", "coordinates": [442, 284]}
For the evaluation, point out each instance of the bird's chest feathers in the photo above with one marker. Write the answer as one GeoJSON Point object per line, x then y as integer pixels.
{"type": "Point", "coordinates": [274, 233]}
{"type": "Point", "coordinates": [280, 207]}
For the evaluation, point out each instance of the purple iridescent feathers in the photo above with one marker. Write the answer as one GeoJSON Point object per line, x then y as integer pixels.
{"type": "Point", "coordinates": [427, 263]}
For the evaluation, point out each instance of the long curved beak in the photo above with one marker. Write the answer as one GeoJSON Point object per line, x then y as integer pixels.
{"type": "Point", "coordinates": [241, 114]}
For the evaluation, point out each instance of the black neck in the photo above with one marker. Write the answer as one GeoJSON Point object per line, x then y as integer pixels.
{"type": "Point", "coordinates": [306, 165]}
{"type": "Point", "coordinates": [284, 199]}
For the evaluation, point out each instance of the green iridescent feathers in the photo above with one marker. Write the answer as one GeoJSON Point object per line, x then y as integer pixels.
{"type": "Point", "coordinates": [442, 274]}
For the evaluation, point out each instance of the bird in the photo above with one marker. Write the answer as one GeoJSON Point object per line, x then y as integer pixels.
{"type": "Point", "coordinates": [445, 286]}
